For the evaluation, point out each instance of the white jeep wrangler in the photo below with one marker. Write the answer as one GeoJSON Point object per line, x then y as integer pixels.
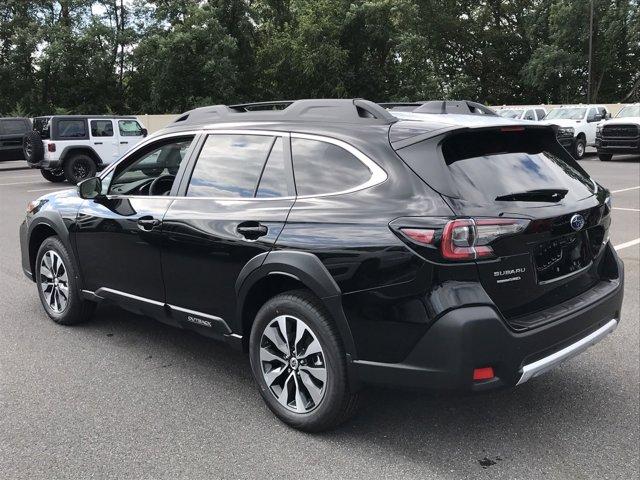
{"type": "Point", "coordinates": [74, 147]}
{"type": "Point", "coordinates": [579, 122]}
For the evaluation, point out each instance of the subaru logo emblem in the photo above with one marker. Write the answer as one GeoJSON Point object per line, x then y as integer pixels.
{"type": "Point", "coordinates": [577, 222]}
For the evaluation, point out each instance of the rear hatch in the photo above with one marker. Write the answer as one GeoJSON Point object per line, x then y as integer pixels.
{"type": "Point", "coordinates": [493, 175]}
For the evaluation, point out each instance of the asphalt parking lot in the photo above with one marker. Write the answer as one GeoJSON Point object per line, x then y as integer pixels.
{"type": "Point", "coordinates": [126, 397]}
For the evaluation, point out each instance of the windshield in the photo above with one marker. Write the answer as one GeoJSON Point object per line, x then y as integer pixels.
{"type": "Point", "coordinates": [510, 113]}
{"type": "Point", "coordinates": [629, 111]}
{"type": "Point", "coordinates": [566, 113]}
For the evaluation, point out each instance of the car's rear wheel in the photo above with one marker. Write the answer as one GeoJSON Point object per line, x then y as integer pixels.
{"type": "Point", "coordinates": [605, 157]}
{"type": "Point", "coordinates": [579, 148]}
{"type": "Point", "coordinates": [79, 167]}
{"type": "Point", "coordinates": [55, 176]}
{"type": "Point", "coordinates": [299, 362]}
{"type": "Point", "coordinates": [57, 284]}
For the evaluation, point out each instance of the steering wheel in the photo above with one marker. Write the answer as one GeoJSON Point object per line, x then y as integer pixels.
{"type": "Point", "coordinates": [161, 185]}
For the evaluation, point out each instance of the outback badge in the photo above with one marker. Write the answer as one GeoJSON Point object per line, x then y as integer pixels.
{"type": "Point", "coordinates": [577, 222]}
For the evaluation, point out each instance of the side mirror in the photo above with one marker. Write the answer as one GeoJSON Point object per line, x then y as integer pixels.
{"type": "Point", "coordinates": [145, 132]}
{"type": "Point", "coordinates": [90, 188]}
{"type": "Point", "coordinates": [607, 116]}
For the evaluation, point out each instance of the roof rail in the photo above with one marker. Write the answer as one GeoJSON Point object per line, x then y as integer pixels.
{"type": "Point", "coordinates": [461, 107]}
{"type": "Point", "coordinates": [334, 110]}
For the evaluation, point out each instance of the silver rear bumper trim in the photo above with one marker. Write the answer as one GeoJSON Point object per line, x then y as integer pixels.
{"type": "Point", "coordinates": [547, 363]}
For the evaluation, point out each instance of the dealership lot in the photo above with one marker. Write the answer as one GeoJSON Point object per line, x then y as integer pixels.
{"type": "Point", "coordinates": [126, 397]}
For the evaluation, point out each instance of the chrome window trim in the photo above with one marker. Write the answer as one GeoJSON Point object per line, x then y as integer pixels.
{"type": "Point", "coordinates": [143, 144]}
{"type": "Point", "coordinates": [378, 174]}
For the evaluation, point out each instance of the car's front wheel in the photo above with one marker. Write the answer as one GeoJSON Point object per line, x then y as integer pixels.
{"type": "Point", "coordinates": [57, 284]}
{"type": "Point", "coordinates": [579, 148]}
{"type": "Point", "coordinates": [299, 362]}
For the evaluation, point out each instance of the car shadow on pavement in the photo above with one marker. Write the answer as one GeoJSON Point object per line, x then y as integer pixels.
{"type": "Point", "coordinates": [485, 429]}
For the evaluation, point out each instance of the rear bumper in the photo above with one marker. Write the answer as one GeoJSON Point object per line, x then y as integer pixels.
{"type": "Point", "coordinates": [474, 337]}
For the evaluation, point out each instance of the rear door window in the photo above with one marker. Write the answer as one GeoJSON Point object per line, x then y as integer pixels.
{"type": "Point", "coordinates": [541, 113]}
{"type": "Point", "coordinates": [101, 128]}
{"type": "Point", "coordinates": [229, 165]}
{"type": "Point", "coordinates": [529, 115]}
{"type": "Point", "coordinates": [321, 167]}
{"type": "Point", "coordinates": [273, 182]}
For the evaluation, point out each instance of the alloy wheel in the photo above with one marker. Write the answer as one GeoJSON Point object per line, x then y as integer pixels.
{"type": "Point", "coordinates": [80, 170]}
{"type": "Point", "coordinates": [293, 364]}
{"type": "Point", "coordinates": [54, 282]}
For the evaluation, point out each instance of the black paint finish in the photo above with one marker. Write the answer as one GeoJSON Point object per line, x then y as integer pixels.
{"type": "Point", "coordinates": [194, 262]}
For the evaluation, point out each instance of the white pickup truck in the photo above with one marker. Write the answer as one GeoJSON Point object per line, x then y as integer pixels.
{"type": "Point", "coordinates": [74, 147]}
{"type": "Point", "coordinates": [620, 135]}
{"type": "Point", "coordinates": [579, 122]}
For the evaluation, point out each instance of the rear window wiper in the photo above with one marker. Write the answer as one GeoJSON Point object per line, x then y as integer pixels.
{"type": "Point", "coordinates": [538, 195]}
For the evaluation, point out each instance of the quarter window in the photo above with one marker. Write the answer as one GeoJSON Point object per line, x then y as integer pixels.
{"type": "Point", "coordinates": [321, 167]}
{"type": "Point", "coordinates": [101, 128]}
{"type": "Point", "coordinates": [230, 166]}
{"type": "Point", "coordinates": [72, 129]}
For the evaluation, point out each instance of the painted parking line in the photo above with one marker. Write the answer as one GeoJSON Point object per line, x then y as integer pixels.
{"type": "Point", "coordinates": [625, 189]}
{"type": "Point", "coordinates": [47, 189]}
{"type": "Point", "coordinates": [26, 175]}
{"type": "Point", "coordinates": [18, 183]}
{"type": "Point", "coordinates": [627, 244]}
{"type": "Point", "coordinates": [627, 209]}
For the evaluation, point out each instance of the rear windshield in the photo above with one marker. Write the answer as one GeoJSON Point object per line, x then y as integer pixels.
{"type": "Point", "coordinates": [41, 125]}
{"type": "Point", "coordinates": [483, 166]}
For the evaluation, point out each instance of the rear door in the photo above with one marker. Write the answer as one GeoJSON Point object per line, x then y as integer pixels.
{"type": "Point", "coordinates": [232, 206]}
{"type": "Point", "coordinates": [103, 139]}
{"type": "Point", "coordinates": [493, 176]}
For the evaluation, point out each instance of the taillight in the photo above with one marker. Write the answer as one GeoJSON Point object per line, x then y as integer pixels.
{"type": "Point", "coordinates": [468, 238]}
{"type": "Point", "coordinates": [419, 235]}
{"type": "Point", "coordinates": [464, 238]}
{"type": "Point", "coordinates": [51, 147]}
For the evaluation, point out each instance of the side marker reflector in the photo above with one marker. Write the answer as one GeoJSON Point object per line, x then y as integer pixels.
{"type": "Point", "coordinates": [484, 373]}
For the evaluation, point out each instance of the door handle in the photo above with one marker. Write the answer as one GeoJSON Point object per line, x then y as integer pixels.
{"type": "Point", "coordinates": [252, 230]}
{"type": "Point", "coordinates": [97, 143]}
{"type": "Point", "coordinates": [148, 223]}
{"type": "Point", "coordinates": [123, 143]}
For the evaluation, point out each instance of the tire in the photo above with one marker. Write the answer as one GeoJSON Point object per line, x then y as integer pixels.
{"type": "Point", "coordinates": [332, 401]}
{"type": "Point", "coordinates": [605, 157]}
{"type": "Point", "coordinates": [51, 254]}
{"type": "Point", "coordinates": [32, 147]}
{"type": "Point", "coordinates": [79, 167]}
{"type": "Point", "coordinates": [579, 148]}
{"type": "Point", "coordinates": [55, 176]}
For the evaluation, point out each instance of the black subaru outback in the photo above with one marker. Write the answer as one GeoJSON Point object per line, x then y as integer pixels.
{"type": "Point", "coordinates": [341, 246]}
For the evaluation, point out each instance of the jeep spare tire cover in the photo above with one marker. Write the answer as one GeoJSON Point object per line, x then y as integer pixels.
{"type": "Point", "coordinates": [32, 147]}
